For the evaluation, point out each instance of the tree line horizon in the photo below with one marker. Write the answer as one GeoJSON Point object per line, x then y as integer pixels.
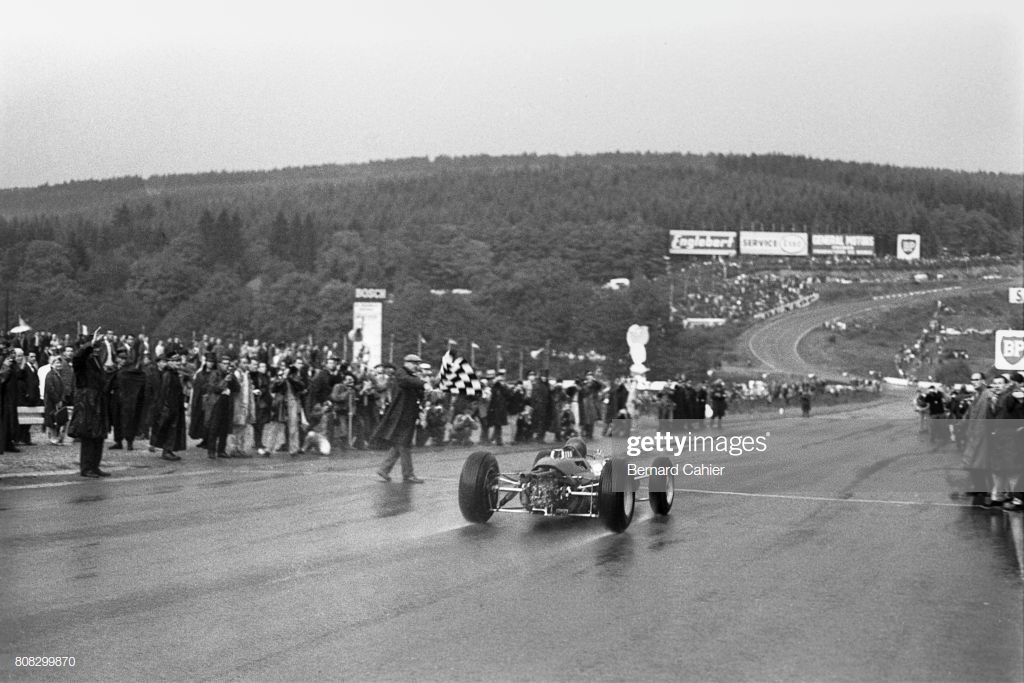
{"type": "Point", "coordinates": [278, 254]}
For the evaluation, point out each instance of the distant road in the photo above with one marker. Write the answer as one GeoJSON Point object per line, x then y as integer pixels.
{"type": "Point", "coordinates": [773, 344]}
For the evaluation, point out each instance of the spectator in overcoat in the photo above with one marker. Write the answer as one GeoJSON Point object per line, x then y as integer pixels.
{"type": "Point", "coordinates": [55, 412]}
{"type": "Point", "coordinates": [90, 420]}
{"type": "Point", "coordinates": [218, 408]}
{"type": "Point", "coordinates": [1007, 443]}
{"type": "Point", "coordinates": [297, 387]}
{"type": "Point", "coordinates": [243, 410]}
{"type": "Point", "coordinates": [398, 425]}
{"type": "Point", "coordinates": [590, 406]}
{"type": "Point", "coordinates": [8, 403]}
{"type": "Point", "coordinates": [169, 416]}
{"type": "Point", "coordinates": [28, 386]}
{"type": "Point", "coordinates": [263, 404]}
{"type": "Point", "coordinates": [719, 402]}
{"type": "Point", "coordinates": [131, 397]}
{"type": "Point", "coordinates": [497, 409]}
{"type": "Point", "coordinates": [197, 403]}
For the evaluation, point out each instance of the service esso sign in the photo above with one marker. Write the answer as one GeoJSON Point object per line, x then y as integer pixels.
{"type": "Point", "coordinates": [773, 243]}
{"type": "Point", "coordinates": [794, 244]}
{"type": "Point", "coordinates": [1010, 349]}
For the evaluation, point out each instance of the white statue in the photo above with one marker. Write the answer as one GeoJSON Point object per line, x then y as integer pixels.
{"type": "Point", "coordinates": [637, 337]}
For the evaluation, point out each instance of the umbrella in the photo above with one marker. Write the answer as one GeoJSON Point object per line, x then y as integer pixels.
{"type": "Point", "coordinates": [22, 326]}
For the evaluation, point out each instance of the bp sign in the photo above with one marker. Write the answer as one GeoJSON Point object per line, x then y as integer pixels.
{"type": "Point", "coordinates": [1010, 349]}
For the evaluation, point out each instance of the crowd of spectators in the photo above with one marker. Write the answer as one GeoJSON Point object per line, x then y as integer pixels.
{"type": "Point", "coordinates": [257, 398]}
{"type": "Point", "coordinates": [872, 263]}
{"type": "Point", "coordinates": [984, 420]}
{"type": "Point", "coordinates": [931, 348]}
{"type": "Point", "coordinates": [739, 288]}
{"type": "Point", "coordinates": [737, 296]}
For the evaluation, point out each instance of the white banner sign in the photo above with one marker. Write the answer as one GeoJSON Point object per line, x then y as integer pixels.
{"type": "Point", "coordinates": [850, 245]}
{"type": "Point", "coordinates": [1017, 295]}
{"type": "Point", "coordinates": [368, 321]}
{"type": "Point", "coordinates": [702, 242]}
{"type": "Point", "coordinates": [773, 243]}
{"type": "Point", "coordinates": [703, 322]}
{"type": "Point", "coordinates": [908, 247]}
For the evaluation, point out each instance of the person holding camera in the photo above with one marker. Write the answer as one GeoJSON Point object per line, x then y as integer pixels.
{"type": "Point", "coordinates": [221, 387]}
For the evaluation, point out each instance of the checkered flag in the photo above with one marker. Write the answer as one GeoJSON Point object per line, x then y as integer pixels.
{"type": "Point", "coordinates": [458, 376]}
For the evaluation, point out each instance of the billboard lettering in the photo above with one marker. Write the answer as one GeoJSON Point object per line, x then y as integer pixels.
{"type": "Point", "coordinates": [702, 242]}
{"type": "Point", "coordinates": [849, 245]}
{"type": "Point", "coordinates": [773, 243]}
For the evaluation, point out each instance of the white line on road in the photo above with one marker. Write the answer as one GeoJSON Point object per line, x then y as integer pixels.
{"type": "Point", "coordinates": [141, 477]}
{"type": "Point", "coordinates": [450, 480]}
{"type": "Point", "coordinates": [367, 475]}
{"type": "Point", "coordinates": [828, 499]}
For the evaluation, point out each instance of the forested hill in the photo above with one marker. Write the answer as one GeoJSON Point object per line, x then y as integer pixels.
{"type": "Point", "coordinates": [270, 252]}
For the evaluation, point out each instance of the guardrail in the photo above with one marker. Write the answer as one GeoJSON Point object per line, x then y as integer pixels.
{"type": "Point", "coordinates": [802, 302]}
{"type": "Point", "coordinates": [30, 415]}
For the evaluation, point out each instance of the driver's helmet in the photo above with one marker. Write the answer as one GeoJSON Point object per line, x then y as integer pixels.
{"type": "Point", "coordinates": [577, 446]}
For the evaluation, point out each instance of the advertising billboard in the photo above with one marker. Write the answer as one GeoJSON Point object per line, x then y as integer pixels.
{"type": "Point", "coordinates": [842, 245]}
{"type": "Point", "coordinates": [368, 326]}
{"type": "Point", "coordinates": [908, 246]}
{"type": "Point", "coordinates": [773, 243]}
{"type": "Point", "coordinates": [1009, 350]}
{"type": "Point", "coordinates": [702, 242]}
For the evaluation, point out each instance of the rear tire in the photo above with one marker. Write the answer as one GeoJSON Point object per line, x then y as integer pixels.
{"type": "Point", "coordinates": [662, 488]}
{"type": "Point", "coordinates": [477, 497]}
{"type": "Point", "coordinates": [615, 508]}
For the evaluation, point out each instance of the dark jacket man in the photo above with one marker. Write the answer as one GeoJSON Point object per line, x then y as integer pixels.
{"type": "Point", "coordinates": [90, 420]}
{"type": "Point", "coordinates": [169, 411]}
{"type": "Point", "coordinates": [398, 425]}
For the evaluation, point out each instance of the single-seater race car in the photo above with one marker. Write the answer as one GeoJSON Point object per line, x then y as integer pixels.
{"type": "Point", "coordinates": [564, 482]}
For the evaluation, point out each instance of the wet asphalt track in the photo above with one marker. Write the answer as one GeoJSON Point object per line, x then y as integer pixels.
{"type": "Point", "coordinates": [838, 555]}
{"type": "Point", "coordinates": [841, 553]}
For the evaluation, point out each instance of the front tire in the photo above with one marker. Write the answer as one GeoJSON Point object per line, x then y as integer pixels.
{"type": "Point", "coordinates": [615, 508]}
{"type": "Point", "coordinates": [477, 497]}
{"type": "Point", "coordinates": [662, 488]}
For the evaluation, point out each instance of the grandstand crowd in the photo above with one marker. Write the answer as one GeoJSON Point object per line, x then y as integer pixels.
{"type": "Point", "coordinates": [741, 288]}
{"type": "Point", "coordinates": [742, 296]}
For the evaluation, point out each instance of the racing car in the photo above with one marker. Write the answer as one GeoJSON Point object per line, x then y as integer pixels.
{"type": "Point", "coordinates": [563, 482]}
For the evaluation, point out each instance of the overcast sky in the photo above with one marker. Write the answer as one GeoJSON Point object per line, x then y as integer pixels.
{"type": "Point", "coordinates": [97, 89]}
